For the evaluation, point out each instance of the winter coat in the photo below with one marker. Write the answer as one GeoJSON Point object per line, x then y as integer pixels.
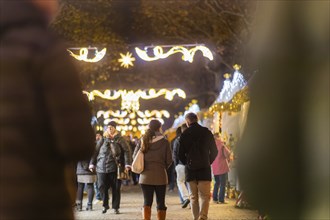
{"type": "Point", "coordinates": [106, 160]}
{"type": "Point", "coordinates": [83, 168]}
{"type": "Point", "coordinates": [207, 151]}
{"type": "Point", "coordinates": [220, 164]}
{"type": "Point", "coordinates": [156, 161]}
{"type": "Point", "coordinates": [44, 117]}
{"type": "Point", "coordinates": [125, 157]}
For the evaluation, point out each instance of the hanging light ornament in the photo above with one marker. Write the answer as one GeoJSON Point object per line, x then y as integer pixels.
{"type": "Point", "coordinates": [130, 98]}
{"type": "Point", "coordinates": [136, 121]}
{"type": "Point", "coordinates": [126, 60]}
{"type": "Point", "coordinates": [83, 54]}
{"type": "Point", "coordinates": [188, 54]}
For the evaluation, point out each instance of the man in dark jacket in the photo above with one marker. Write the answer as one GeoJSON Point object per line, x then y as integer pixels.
{"type": "Point", "coordinates": [44, 117]}
{"type": "Point", "coordinates": [197, 151]}
{"type": "Point", "coordinates": [111, 152]}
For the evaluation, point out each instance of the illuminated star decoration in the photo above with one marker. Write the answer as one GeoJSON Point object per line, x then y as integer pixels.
{"type": "Point", "coordinates": [126, 60]}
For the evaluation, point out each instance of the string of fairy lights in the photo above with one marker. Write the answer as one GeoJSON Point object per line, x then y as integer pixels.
{"type": "Point", "coordinates": [127, 59]}
{"type": "Point", "coordinates": [129, 118]}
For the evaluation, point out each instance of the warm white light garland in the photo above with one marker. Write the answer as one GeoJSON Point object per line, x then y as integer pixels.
{"type": "Point", "coordinates": [134, 121]}
{"type": "Point", "coordinates": [83, 54]}
{"type": "Point", "coordinates": [130, 98]}
{"type": "Point", "coordinates": [126, 60]}
{"type": "Point", "coordinates": [188, 54]}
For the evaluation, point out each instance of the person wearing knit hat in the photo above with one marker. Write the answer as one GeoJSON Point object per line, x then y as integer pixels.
{"type": "Point", "coordinates": [113, 124]}
{"type": "Point", "coordinates": [113, 153]}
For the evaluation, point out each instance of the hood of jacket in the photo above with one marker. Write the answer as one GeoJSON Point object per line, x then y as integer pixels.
{"type": "Point", "coordinates": [157, 138]}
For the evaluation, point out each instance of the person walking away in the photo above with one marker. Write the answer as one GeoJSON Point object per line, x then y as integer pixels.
{"type": "Point", "coordinates": [220, 169]}
{"type": "Point", "coordinates": [157, 159]}
{"type": "Point", "coordinates": [197, 152]}
{"type": "Point", "coordinates": [180, 168]}
{"type": "Point", "coordinates": [42, 106]}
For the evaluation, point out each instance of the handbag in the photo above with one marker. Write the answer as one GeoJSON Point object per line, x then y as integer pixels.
{"type": "Point", "coordinates": [122, 173]}
{"type": "Point", "coordinates": [138, 163]}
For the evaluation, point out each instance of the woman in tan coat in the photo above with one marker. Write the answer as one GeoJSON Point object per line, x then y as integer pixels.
{"type": "Point", "coordinates": [157, 158]}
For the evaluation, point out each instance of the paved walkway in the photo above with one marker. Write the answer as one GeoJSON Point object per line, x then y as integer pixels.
{"type": "Point", "coordinates": [132, 201]}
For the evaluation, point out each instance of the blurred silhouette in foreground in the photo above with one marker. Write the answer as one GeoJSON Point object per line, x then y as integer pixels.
{"type": "Point", "coordinates": [284, 152]}
{"type": "Point", "coordinates": [44, 118]}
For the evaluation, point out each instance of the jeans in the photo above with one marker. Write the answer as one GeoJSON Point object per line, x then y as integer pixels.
{"type": "Point", "coordinates": [105, 181]}
{"type": "Point", "coordinates": [97, 191]}
{"type": "Point", "coordinates": [200, 189]}
{"type": "Point", "coordinates": [148, 195]}
{"type": "Point", "coordinates": [220, 187]}
{"type": "Point", "coordinates": [181, 181]}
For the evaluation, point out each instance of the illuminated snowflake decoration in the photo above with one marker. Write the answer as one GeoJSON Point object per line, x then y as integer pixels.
{"type": "Point", "coordinates": [126, 60]}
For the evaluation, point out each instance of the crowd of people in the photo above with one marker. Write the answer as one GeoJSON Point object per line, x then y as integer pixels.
{"type": "Point", "coordinates": [191, 154]}
{"type": "Point", "coordinates": [41, 159]}
{"type": "Point", "coordinates": [45, 128]}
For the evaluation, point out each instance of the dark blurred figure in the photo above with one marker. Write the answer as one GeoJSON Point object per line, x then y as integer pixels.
{"type": "Point", "coordinates": [44, 118]}
{"type": "Point", "coordinates": [197, 152]}
{"type": "Point", "coordinates": [284, 153]}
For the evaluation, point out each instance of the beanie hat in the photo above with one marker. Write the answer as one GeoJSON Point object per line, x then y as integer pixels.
{"type": "Point", "coordinates": [112, 123]}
